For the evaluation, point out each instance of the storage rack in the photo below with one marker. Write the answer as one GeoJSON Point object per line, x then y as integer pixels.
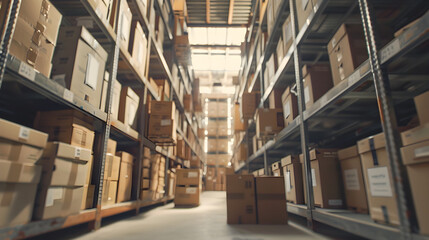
{"type": "Point", "coordinates": [37, 92]}
{"type": "Point", "coordinates": [385, 77]}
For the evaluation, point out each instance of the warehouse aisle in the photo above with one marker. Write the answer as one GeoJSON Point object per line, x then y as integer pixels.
{"type": "Point", "coordinates": [208, 221]}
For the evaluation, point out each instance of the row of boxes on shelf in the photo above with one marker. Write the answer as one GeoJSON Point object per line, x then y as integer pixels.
{"type": "Point", "coordinates": [216, 178]}
{"type": "Point", "coordinates": [217, 159]}
{"type": "Point", "coordinates": [188, 187]}
{"type": "Point", "coordinates": [255, 200]}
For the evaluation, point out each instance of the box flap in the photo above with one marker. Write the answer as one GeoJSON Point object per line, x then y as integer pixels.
{"type": "Point", "coordinates": [371, 143]}
{"type": "Point", "coordinates": [18, 133]}
{"type": "Point", "coordinates": [14, 172]}
{"type": "Point", "coordinates": [348, 152]}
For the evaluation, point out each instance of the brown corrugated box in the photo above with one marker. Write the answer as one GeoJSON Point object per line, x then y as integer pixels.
{"type": "Point", "coordinates": [128, 107]}
{"type": "Point", "coordinates": [275, 99]}
{"type": "Point", "coordinates": [269, 121]}
{"type": "Point", "coordinates": [238, 124]}
{"type": "Point", "coordinates": [354, 186]}
{"type": "Point", "coordinates": [317, 81]}
{"type": "Point", "coordinates": [240, 199]}
{"type": "Point", "coordinates": [61, 201]}
{"type": "Point", "coordinates": [187, 195]}
{"type": "Point", "coordinates": [145, 173]}
{"type": "Point", "coordinates": [188, 176]}
{"type": "Point", "coordinates": [271, 200]}
{"type": "Point", "coordinates": [125, 177]}
{"type": "Point", "coordinates": [290, 106]}
{"type": "Point", "coordinates": [124, 18]}
{"type": "Point", "coordinates": [421, 107]}
{"type": "Point", "coordinates": [116, 96]}
{"type": "Point", "coordinates": [164, 90]}
{"type": "Point", "coordinates": [287, 35]}
{"type": "Point", "coordinates": [138, 48]}
{"type": "Point", "coordinates": [163, 108]}
{"type": "Point", "coordinates": [304, 8]}
{"type": "Point", "coordinates": [294, 186]}
{"type": "Point", "coordinates": [87, 197]}
{"type": "Point", "coordinates": [19, 143]}
{"type": "Point", "coordinates": [249, 103]}
{"type": "Point", "coordinates": [378, 179]}
{"type": "Point", "coordinates": [18, 185]}
{"type": "Point", "coordinates": [111, 146]}
{"type": "Point", "coordinates": [416, 158]}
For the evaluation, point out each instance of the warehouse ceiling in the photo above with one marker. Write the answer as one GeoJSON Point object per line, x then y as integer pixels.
{"type": "Point", "coordinates": [218, 12]}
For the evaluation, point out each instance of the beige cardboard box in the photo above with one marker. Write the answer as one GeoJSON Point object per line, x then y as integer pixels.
{"type": "Point", "coordinates": [180, 148]}
{"type": "Point", "coordinates": [128, 107]}
{"type": "Point", "coordinates": [61, 201]}
{"type": "Point", "coordinates": [110, 188]}
{"type": "Point", "coordinates": [146, 163]}
{"type": "Point", "coordinates": [188, 177]}
{"type": "Point", "coordinates": [222, 109]}
{"type": "Point", "coordinates": [238, 124]}
{"type": "Point", "coordinates": [415, 157]}
{"type": "Point", "coordinates": [116, 97]}
{"type": "Point", "coordinates": [271, 200]}
{"type": "Point", "coordinates": [19, 143]}
{"type": "Point", "coordinates": [79, 63]}
{"type": "Point", "coordinates": [287, 35]}
{"type": "Point", "coordinates": [421, 107]}
{"type": "Point", "coordinates": [317, 81]}
{"type": "Point", "coordinates": [378, 179]}
{"type": "Point", "coordinates": [347, 50]}
{"type": "Point", "coordinates": [18, 185]}
{"type": "Point", "coordinates": [304, 8]}
{"type": "Point", "coordinates": [240, 199]}
{"type": "Point", "coordinates": [124, 18]}
{"type": "Point", "coordinates": [164, 89]}
{"type": "Point", "coordinates": [275, 99]}
{"type": "Point", "coordinates": [125, 177]}
{"type": "Point", "coordinates": [171, 186]}
{"type": "Point", "coordinates": [269, 122]}
{"type": "Point", "coordinates": [354, 186]}
{"type": "Point", "coordinates": [138, 48]}
{"type": "Point", "coordinates": [249, 103]}
{"type": "Point", "coordinates": [145, 172]}
{"type": "Point", "coordinates": [87, 197]}
{"type": "Point", "coordinates": [290, 106]}
{"type": "Point", "coordinates": [145, 183]}
{"type": "Point", "coordinates": [111, 167]}
{"type": "Point", "coordinates": [187, 195]}
{"type": "Point", "coordinates": [145, 195]}
{"type": "Point", "coordinates": [111, 146]}
{"type": "Point", "coordinates": [261, 172]}
{"type": "Point", "coordinates": [294, 185]}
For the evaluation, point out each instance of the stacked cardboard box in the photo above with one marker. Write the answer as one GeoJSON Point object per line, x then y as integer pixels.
{"type": "Point", "coordinates": [145, 181]}
{"type": "Point", "coordinates": [20, 149]}
{"type": "Point", "coordinates": [125, 177]}
{"type": "Point", "coordinates": [35, 36]}
{"type": "Point", "coordinates": [249, 103]}
{"type": "Point", "coordinates": [216, 178]}
{"type": "Point", "coordinates": [128, 107]}
{"type": "Point", "coordinates": [116, 96]}
{"type": "Point", "coordinates": [61, 188]}
{"type": "Point", "coordinates": [188, 187]}
{"type": "Point", "coordinates": [290, 106]}
{"type": "Point", "coordinates": [294, 186]}
{"type": "Point", "coordinates": [161, 122]}
{"type": "Point", "coordinates": [171, 184]}
{"type": "Point", "coordinates": [238, 124]}
{"type": "Point", "coordinates": [276, 169]}
{"type": "Point", "coordinates": [110, 179]}
{"type": "Point", "coordinates": [317, 81]}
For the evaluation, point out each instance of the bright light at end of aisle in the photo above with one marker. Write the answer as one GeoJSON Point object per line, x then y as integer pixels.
{"type": "Point", "coordinates": [206, 144]}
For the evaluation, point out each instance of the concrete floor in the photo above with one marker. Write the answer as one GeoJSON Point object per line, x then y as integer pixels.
{"type": "Point", "coordinates": [208, 221]}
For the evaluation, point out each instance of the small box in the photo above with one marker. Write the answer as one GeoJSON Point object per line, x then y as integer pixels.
{"type": "Point", "coordinates": [275, 99]}
{"type": "Point", "coordinates": [240, 199]}
{"type": "Point", "coordinates": [378, 179]}
{"type": "Point", "coordinates": [145, 183]}
{"type": "Point", "coordinates": [261, 172]}
{"type": "Point", "coordinates": [222, 109]}
{"type": "Point", "coordinates": [110, 188]}
{"type": "Point", "coordinates": [146, 173]}
{"type": "Point", "coordinates": [248, 105]}
{"type": "Point", "coordinates": [187, 102]}
{"type": "Point", "coordinates": [188, 177]}
{"type": "Point", "coordinates": [19, 143]}
{"type": "Point", "coordinates": [146, 163]}
{"type": "Point", "coordinates": [111, 167]}
{"type": "Point", "coordinates": [421, 107]}
{"type": "Point", "coordinates": [317, 81]}
{"type": "Point", "coordinates": [354, 186]}
{"type": "Point", "coordinates": [290, 106]}
{"type": "Point", "coordinates": [138, 48]}
{"type": "Point", "coordinates": [171, 186]}
{"type": "Point", "coordinates": [61, 201]}
{"type": "Point", "coordinates": [292, 173]}
{"type": "Point", "coordinates": [125, 177]}
{"type": "Point", "coordinates": [347, 50]}
{"type": "Point", "coordinates": [271, 200]}
{"type": "Point", "coordinates": [269, 122]}
{"type": "Point", "coordinates": [187, 196]}
{"type": "Point", "coordinates": [276, 169]}
{"type": "Point", "coordinates": [87, 197]}
{"type": "Point", "coordinates": [128, 107]}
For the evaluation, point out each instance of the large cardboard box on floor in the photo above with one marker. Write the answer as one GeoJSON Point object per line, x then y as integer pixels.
{"type": "Point", "coordinates": [354, 186]}
{"type": "Point", "coordinates": [271, 200]}
{"type": "Point", "coordinates": [240, 199]}
{"type": "Point", "coordinates": [128, 107]}
{"type": "Point", "coordinates": [18, 185]}
{"type": "Point", "coordinates": [292, 173]}
{"type": "Point", "coordinates": [378, 179]}
{"type": "Point", "coordinates": [188, 177]}
{"type": "Point", "coordinates": [248, 105]}
{"type": "Point", "coordinates": [421, 107]}
{"type": "Point", "coordinates": [347, 50]}
{"type": "Point", "coordinates": [317, 81]}
{"type": "Point", "coordinates": [79, 63]}
{"type": "Point", "coordinates": [125, 177]}
{"type": "Point", "coordinates": [290, 106]}
{"type": "Point", "coordinates": [187, 195]}
{"type": "Point", "coordinates": [60, 191]}
{"type": "Point", "coordinates": [19, 143]}
{"type": "Point", "coordinates": [269, 122]}
{"type": "Point", "coordinates": [416, 159]}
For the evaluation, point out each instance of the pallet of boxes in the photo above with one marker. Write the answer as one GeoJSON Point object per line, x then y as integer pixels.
{"type": "Point", "coordinates": [188, 187]}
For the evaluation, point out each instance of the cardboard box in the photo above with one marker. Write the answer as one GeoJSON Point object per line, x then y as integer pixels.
{"type": "Point", "coordinates": [111, 167]}
{"type": "Point", "coordinates": [146, 163]}
{"type": "Point", "coordinates": [354, 186]}
{"type": "Point", "coordinates": [416, 160]}
{"type": "Point", "coordinates": [238, 124]}
{"type": "Point", "coordinates": [303, 10]}
{"type": "Point", "coordinates": [74, 134]}
{"type": "Point", "coordinates": [280, 51]}
{"type": "Point", "coordinates": [171, 186]}
{"type": "Point", "coordinates": [188, 177]}
{"type": "Point", "coordinates": [240, 199]}
{"type": "Point", "coordinates": [294, 185]}
{"type": "Point", "coordinates": [421, 107]}
{"type": "Point", "coordinates": [248, 105]}
{"type": "Point", "coordinates": [125, 177]}
{"type": "Point", "coordinates": [187, 102]}
{"type": "Point", "coordinates": [290, 106]}
{"type": "Point", "coordinates": [61, 201]}
{"type": "Point", "coordinates": [128, 107]}
{"type": "Point", "coordinates": [109, 192]}
{"type": "Point", "coordinates": [145, 183]}
{"type": "Point", "coordinates": [222, 129]}
{"type": "Point", "coordinates": [287, 35]}
{"type": "Point", "coordinates": [211, 145]}
{"type": "Point", "coordinates": [347, 50]}
{"type": "Point", "coordinates": [317, 81]}
{"type": "Point", "coordinates": [111, 146]}
{"type": "Point", "coordinates": [126, 18]}
{"type": "Point", "coordinates": [146, 173]}
{"type": "Point", "coordinates": [163, 108]}
{"type": "Point", "coordinates": [116, 97]}
{"type": "Point", "coordinates": [138, 48]}
{"type": "Point", "coordinates": [18, 185]}
{"type": "Point", "coordinates": [162, 129]}
{"type": "Point", "coordinates": [87, 197]}
{"type": "Point", "coordinates": [275, 99]}
{"type": "Point", "coordinates": [145, 195]}
{"type": "Point", "coordinates": [222, 109]}
{"type": "Point", "coordinates": [271, 200]}
{"type": "Point", "coordinates": [261, 172]}
{"type": "Point", "coordinates": [187, 196]}
{"type": "Point", "coordinates": [269, 122]}
{"type": "Point", "coordinates": [164, 89]}
{"type": "Point", "coordinates": [79, 63]}
{"type": "Point", "coordinates": [276, 169]}
{"type": "Point", "coordinates": [378, 179]}
{"type": "Point", "coordinates": [19, 143]}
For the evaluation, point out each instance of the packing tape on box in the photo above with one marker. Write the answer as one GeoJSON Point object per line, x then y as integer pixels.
{"type": "Point", "coordinates": [271, 196]}
{"type": "Point", "coordinates": [373, 151]}
{"type": "Point", "coordinates": [73, 174]}
{"type": "Point", "coordinates": [68, 197]}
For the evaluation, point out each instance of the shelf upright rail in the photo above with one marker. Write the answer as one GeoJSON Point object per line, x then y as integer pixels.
{"type": "Point", "coordinates": [7, 31]}
{"type": "Point", "coordinates": [113, 67]}
{"type": "Point", "coordinates": [303, 128]}
{"type": "Point", "coordinates": [387, 115]}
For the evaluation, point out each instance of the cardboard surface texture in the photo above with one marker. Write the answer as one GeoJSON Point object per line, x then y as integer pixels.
{"type": "Point", "coordinates": [271, 200]}
{"type": "Point", "coordinates": [240, 199]}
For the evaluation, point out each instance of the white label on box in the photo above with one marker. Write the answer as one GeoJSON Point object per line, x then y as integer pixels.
{"type": "Point", "coordinates": [27, 71]}
{"type": "Point", "coordinates": [53, 194]}
{"type": "Point", "coordinates": [286, 109]}
{"type": "Point", "coordinates": [166, 122]}
{"type": "Point", "coordinates": [68, 95]}
{"type": "Point", "coordinates": [313, 177]}
{"type": "Point", "coordinates": [306, 94]}
{"type": "Point", "coordinates": [352, 179]}
{"type": "Point", "coordinates": [24, 133]}
{"type": "Point", "coordinates": [335, 202]}
{"type": "Point", "coordinates": [92, 67]}
{"type": "Point", "coordinates": [379, 182]}
{"type": "Point", "coordinates": [192, 174]}
{"type": "Point", "coordinates": [191, 190]}
{"type": "Point", "coordinates": [421, 152]}
{"type": "Point", "coordinates": [268, 128]}
{"type": "Point", "coordinates": [77, 152]}
{"type": "Point", "coordinates": [287, 182]}
{"type": "Point", "coordinates": [390, 50]}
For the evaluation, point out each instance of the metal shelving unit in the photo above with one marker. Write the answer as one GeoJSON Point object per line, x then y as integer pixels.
{"type": "Point", "coordinates": [54, 96]}
{"type": "Point", "coordinates": [348, 111]}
